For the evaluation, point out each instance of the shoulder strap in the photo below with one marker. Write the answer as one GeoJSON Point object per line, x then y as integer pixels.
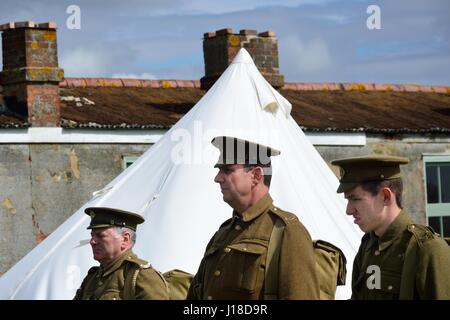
{"type": "Point", "coordinates": [272, 261]}
{"type": "Point", "coordinates": [130, 282]}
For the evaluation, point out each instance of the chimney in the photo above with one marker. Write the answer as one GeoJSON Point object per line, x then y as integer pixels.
{"type": "Point", "coordinates": [31, 76]}
{"type": "Point", "coordinates": [220, 47]}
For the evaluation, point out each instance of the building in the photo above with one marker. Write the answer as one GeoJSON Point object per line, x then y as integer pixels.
{"type": "Point", "coordinates": [61, 139]}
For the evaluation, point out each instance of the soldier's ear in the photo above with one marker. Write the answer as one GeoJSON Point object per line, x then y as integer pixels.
{"type": "Point", "coordinates": [126, 238]}
{"type": "Point", "coordinates": [258, 174]}
{"type": "Point", "coordinates": [388, 195]}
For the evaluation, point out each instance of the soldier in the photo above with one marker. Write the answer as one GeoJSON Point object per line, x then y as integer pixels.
{"type": "Point", "coordinates": [397, 259]}
{"type": "Point", "coordinates": [121, 274]}
{"type": "Point", "coordinates": [234, 263]}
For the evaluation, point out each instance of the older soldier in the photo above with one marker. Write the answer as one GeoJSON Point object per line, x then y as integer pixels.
{"type": "Point", "coordinates": [397, 259]}
{"type": "Point", "coordinates": [121, 274]}
{"type": "Point", "coordinates": [234, 263]}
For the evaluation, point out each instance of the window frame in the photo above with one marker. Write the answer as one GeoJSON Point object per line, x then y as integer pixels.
{"type": "Point", "coordinates": [436, 210]}
{"type": "Point", "coordinates": [128, 159]}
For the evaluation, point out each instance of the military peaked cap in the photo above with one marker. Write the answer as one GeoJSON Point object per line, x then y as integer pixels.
{"type": "Point", "coordinates": [357, 170]}
{"type": "Point", "coordinates": [239, 151]}
{"type": "Point", "coordinates": [102, 217]}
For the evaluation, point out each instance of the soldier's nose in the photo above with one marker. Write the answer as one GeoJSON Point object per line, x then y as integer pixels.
{"type": "Point", "coordinates": [350, 209]}
{"type": "Point", "coordinates": [218, 178]}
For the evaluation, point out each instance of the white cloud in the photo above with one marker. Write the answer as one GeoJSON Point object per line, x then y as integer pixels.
{"type": "Point", "coordinates": [144, 75]}
{"type": "Point", "coordinates": [304, 57]}
{"type": "Point", "coordinates": [82, 62]}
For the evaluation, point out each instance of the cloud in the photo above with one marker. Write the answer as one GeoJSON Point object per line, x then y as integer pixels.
{"type": "Point", "coordinates": [144, 75]}
{"type": "Point", "coordinates": [303, 57]}
{"type": "Point", "coordinates": [83, 62]}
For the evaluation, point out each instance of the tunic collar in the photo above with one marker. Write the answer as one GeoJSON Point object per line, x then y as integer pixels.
{"type": "Point", "coordinates": [393, 232]}
{"type": "Point", "coordinates": [256, 210]}
{"type": "Point", "coordinates": [113, 266]}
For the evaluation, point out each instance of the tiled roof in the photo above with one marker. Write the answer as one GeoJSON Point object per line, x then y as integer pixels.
{"type": "Point", "coordinates": [145, 104]}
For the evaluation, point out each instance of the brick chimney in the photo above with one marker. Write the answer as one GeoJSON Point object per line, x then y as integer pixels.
{"type": "Point", "coordinates": [31, 75]}
{"type": "Point", "coordinates": [220, 47]}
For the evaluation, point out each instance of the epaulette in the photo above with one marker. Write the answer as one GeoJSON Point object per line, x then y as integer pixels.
{"type": "Point", "coordinates": [421, 233]}
{"type": "Point", "coordinates": [285, 216]}
{"type": "Point", "coordinates": [141, 263]}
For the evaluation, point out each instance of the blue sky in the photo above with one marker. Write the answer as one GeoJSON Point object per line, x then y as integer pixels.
{"type": "Point", "coordinates": [319, 41]}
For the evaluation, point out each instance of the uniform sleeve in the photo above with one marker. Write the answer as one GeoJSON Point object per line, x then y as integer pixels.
{"type": "Point", "coordinates": [150, 286]}
{"type": "Point", "coordinates": [297, 267]}
{"type": "Point", "coordinates": [432, 277]}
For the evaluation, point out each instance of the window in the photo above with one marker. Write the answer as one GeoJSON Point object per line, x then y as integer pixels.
{"type": "Point", "coordinates": [128, 161]}
{"type": "Point", "coordinates": [437, 182]}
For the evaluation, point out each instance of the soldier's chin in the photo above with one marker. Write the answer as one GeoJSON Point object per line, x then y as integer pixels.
{"type": "Point", "coordinates": [363, 228]}
{"type": "Point", "coordinates": [96, 256]}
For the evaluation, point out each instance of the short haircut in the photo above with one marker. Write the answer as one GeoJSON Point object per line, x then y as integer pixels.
{"type": "Point", "coordinates": [267, 171]}
{"type": "Point", "coordinates": [395, 185]}
{"type": "Point", "coordinates": [121, 230]}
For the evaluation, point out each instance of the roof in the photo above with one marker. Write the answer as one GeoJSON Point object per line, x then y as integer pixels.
{"type": "Point", "coordinates": [144, 104]}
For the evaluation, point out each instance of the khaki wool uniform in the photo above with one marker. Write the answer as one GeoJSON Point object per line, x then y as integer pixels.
{"type": "Point", "coordinates": [235, 259]}
{"type": "Point", "coordinates": [430, 278]}
{"type": "Point", "coordinates": [108, 283]}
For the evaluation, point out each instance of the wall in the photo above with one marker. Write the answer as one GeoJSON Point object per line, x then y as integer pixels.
{"type": "Point", "coordinates": [43, 184]}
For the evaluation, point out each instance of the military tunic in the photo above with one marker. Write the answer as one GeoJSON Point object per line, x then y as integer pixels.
{"type": "Point", "coordinates": [430, 278]}
{"type": "Point", "coordinates": [234, 263]}
{"type": "Point", "coordinates": [108, 283]}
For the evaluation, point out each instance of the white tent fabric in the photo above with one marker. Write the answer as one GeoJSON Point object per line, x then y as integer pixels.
{"type": "Point", "coordinates": [172, 186]}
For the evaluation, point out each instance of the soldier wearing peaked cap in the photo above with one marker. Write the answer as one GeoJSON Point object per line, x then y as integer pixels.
{"type": "Point", "coordinates": [397, 259]}
{"type": "Point", "coordinates": [235, 261]}
{"type": "Point", "coordinates": [121, 274]}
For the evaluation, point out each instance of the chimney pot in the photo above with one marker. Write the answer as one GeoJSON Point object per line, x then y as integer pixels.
{"type": "Point", "coordinates": [224, 32]}
{"type": "Point", "coordinates": [267, 34]}
{"type": "Point", "coordinates": [24, 24]}
{"type": "Point", "coordinates": [209, 35]}
{"type": "Point", "coordinates": [248, 32]}
{"type": "Point", "coordinates": [47, 25]}
{"type": "Point", "coordinates": [6, 26]}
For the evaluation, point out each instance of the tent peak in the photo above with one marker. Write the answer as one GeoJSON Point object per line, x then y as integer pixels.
{"type": "Point", "coordinates": [243, 57]}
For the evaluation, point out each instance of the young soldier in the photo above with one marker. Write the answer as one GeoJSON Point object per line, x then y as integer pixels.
{"type": "Point", "coordinates": [397, 259]}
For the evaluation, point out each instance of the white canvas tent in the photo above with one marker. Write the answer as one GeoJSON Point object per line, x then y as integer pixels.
{"type": "Point", "coordinates": [172, 186]}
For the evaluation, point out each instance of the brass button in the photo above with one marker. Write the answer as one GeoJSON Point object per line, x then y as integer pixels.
{"type": "Point", "coordinates": [389, 287]}
{"type": "Point", "coordinates": [382, 176]}
{"type": "Point", "coordinates": [245, 249]}
{"type": "Point", "coordinates": [217, 273]}
{"type": "Point", "coordinates": [209, 298]}
{"type": "Point", "coordinates": [100, 283]}
{"type": "Point", "coordinates": [227, 250]}
{"type": "Point", "coordinates": [237, 227]}
{"type": "Point", "coordinates": [377, 253]}
{"type": "Point", "coordinates": [275, 209]}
